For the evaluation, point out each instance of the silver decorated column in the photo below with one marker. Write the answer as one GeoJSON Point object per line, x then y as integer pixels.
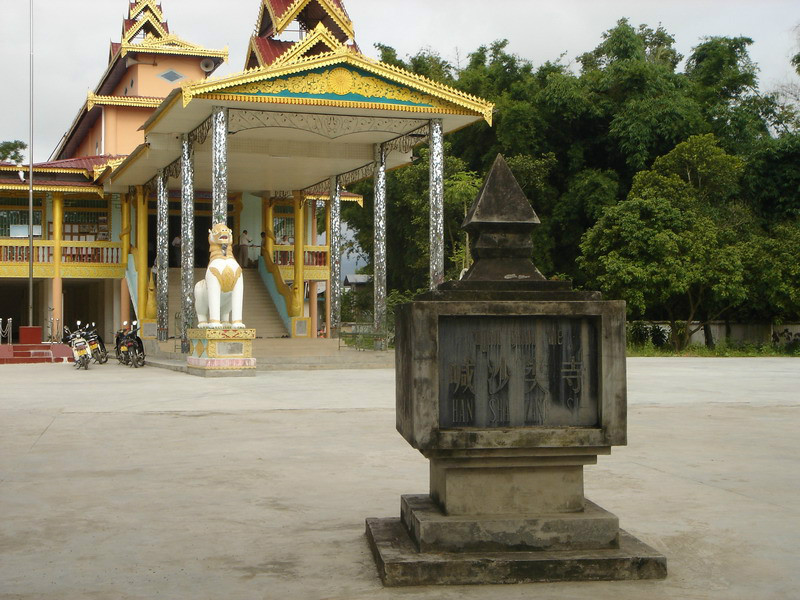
{"type": "Point", "coordinates": [335, 253]}
{"type": "Point", "coordinates": [379, 251]}
{"type": "Point", "coordinates": [436, 186]}
{"type": "Point", "coordinates": [187, 241]}
{"type": "Point", "coordinates": [219, 165]}
{"type": "Point", "coordinates": [162, 256]}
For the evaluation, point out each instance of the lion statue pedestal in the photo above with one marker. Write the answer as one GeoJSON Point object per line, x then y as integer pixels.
{"type": "Point", "coordinates": [221, 352]}
{"type": "Point", "coordinates": [221, 345]}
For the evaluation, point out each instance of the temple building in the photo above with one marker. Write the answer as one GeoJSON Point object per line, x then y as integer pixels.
{"type": "Point", "coordinates": [161, 150]}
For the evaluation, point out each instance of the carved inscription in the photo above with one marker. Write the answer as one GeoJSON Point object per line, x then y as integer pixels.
{"type": "Point", "coordinates": [518, 372]}
{"type": "Point", "coordinates": [461, 390]}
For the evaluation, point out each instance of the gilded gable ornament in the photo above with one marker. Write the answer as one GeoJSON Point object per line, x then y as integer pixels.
{"type": "Point", "coordinates": [340, 82]}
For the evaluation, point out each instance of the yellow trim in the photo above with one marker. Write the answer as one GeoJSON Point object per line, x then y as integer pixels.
{"type": "Point", "coordinates": [295, 321]}
{"type": "Point", "coordinates": [140, 202]}
{"type": "Point", "coordinates": [310, 274]}
{"type": "Point", "coordinates": [141, 5]}
{"type": "Point", "coordinates": [125, 228]}
{"type": "Point", "coordinates": [280, 277]}
{"type": "Point", "coordinates": [171, 44]}
{"type": "Point", "coordinates": [67, 189]}
{"type": "Point", "coordinates": [298, 289]}
{"type": "Point", "coordinates": [220, 368]}
{"type": "Point", "coordinates": [24, 242]}
{"type": "Point", "coordinates": [58, 232]}
{"type": "Point", "coordinates": [227, 278]}
{"type": "Point", "coordinates": [280, 22]}
{"type": "Point", "coordinates": [223, 335]}
{"type": "Point", "coordinates": [247, 347]}
{"type": "Point", "coordinates": [342, 20]}
{"type": "Point", "coordinates": [40, 270]}
{"type": "Point", "coordinates": [62, 170]}
{"type": "Point", "coordinates": [77, 244]}
{"type": "Point", "coordinates": [137, 26]}
{"type": "Point", "coordinates": [91, 271]}
{"type": "Point", "coordinates": [111, 164]}
{"type": "Point", "coordinates": [319, 34]}
{"type": "Point", "coordinates": [340, 82]}
{"type": "Point", "coordinates": [337, 103]}
{"type": "Point", "coordinates": [93, 209]}
{"type": "Point", "coordinates": [54, 269]}
{"type": "Point", "coordinates": [326, 197]}
{"type": "Point", "coordinates": [93, 99]}
{"type": "Point", "coordinates": [394, 74]}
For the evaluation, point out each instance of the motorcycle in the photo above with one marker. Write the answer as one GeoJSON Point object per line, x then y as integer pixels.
{"type": "Point", "coordinates": [80, 347]}
{"type": "Point", "coordinates": [129, 346]}
{"type": "Point", "coordinates": [120, 348]}
{"type": "Point", "coordinates": [96, 345]}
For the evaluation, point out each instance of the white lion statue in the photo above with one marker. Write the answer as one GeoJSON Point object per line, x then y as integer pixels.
{"type": "Point", "coordinates": [218, 298]}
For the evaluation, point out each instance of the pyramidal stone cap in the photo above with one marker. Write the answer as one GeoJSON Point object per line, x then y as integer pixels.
{"type": "Point", "coordinates": [500, 223]}
{"type": "Point", "coordinates": [500, 201]}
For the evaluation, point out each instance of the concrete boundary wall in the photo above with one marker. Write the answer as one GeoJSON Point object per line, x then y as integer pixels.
{"type": "Point", "coordinates": [754, 333]}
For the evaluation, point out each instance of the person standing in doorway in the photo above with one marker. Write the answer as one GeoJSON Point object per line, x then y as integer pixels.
{"type": "Point", "coordinates": [244, 249]}
{"type": "Point", "coordinates": [176, 251]}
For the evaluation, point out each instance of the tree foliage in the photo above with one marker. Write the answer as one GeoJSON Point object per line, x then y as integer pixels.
{"type": "Point", "coordinates": [12, 151]}
{"type": "Point", "coordinates": [671, 187]}
{"type": "Point", "coordinates": [668, 245]}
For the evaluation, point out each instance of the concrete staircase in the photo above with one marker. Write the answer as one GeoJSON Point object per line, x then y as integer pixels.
{"type": "Point", "coordinates": [34, 353]}
{"type": "Point", "coordinates": [258, 312]}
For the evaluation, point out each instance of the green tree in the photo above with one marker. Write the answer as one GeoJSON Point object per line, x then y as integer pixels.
{"type": "Point", "coordinates": [772, 177]}
{"type": "Point", "coordinates": [724, 80]}
{"type": "Point", "coordinates": [407, 217]}
{"type": "Point", "coordinates": [775, 271]}
{"type": "Point", "coordinates": [576, 142]}
{"type": "Point", "coordinates": [677, 243]}
{"type": "Point", "coordinates": [12, 151]}
{"type": "Point", "coordinates": [708, 169]}
{"type": "Point", "coordinates": [722, 69]}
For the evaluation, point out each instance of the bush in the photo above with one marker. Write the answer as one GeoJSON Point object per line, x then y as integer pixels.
{"type": "Point", "coordinates": [638, 333]}
{"type": "Point", "coordinates": [659, 336]}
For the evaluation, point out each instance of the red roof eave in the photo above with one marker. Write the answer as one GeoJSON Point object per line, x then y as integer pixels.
{"type": "Point", "coordinates": [270, 49]}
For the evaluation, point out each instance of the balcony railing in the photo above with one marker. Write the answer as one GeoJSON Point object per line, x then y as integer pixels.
{"type": "Point", "coordinates": [314, 256]}
{"type": "Point", "coordinates": [16, 251]}
{"type": "Point", "coordinates": [102, 253]}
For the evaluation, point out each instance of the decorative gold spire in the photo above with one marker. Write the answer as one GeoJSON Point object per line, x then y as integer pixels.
{"type": "Point", "coordinates": [324, 26]}
{"type": "Point", "coordinates": [144, 17]}
{"type": "Point", "coordinates": [146, 29]}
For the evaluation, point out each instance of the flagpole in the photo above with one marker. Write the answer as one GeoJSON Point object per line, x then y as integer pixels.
{"type": "Point", "coordinates": [30, 173]}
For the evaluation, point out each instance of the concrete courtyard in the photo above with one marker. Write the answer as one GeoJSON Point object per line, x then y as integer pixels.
{"type": "Point", "coordinates": [138, 484]}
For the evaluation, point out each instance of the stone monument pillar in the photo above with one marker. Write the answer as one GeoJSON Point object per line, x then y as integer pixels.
{"type": "Point", "coordinates": [509, 384]}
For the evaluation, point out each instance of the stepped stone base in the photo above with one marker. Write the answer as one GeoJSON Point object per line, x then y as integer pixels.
{"type": "Point", "coordinates": [400, 563]}
{"type": "Point", "coordinates": [432, 531]}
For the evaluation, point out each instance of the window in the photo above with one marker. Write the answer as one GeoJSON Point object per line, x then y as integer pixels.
{"type": "Point", "coordinates": [172, 76]}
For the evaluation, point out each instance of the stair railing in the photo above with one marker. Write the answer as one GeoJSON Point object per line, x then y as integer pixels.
{"type": "Point", "coordinates": [6, 331]}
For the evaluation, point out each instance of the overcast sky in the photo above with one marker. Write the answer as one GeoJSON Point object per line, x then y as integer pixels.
{"type": "Point", "coordinates": [71, 46]}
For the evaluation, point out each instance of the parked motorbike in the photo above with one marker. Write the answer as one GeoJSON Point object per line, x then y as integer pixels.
{"type": "Point", "coordinates": [120, 348]}
{"type": "Point", "coordinates": [96, 345]}
{"type": "Point", "coordinates": [129, 347]}
{"type": "Point", "coordinates": [80, 347]}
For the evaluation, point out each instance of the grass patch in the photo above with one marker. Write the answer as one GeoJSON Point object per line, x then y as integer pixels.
{"type": "Point", "coordinates": [720, 350]}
